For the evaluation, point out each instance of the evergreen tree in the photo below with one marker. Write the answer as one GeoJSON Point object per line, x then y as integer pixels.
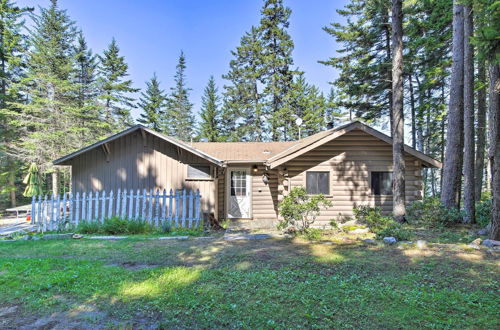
{"type": "Point", "coordinates": [333, 114]}
{"type": "Point", "coordinates": [91, 125]}
{"type": "Point", "coordinates": [47, 122]}
{"type": "Point", "coordinates": [152, 102]}
{"type": "Point", "coordinates": [364, 82]}
{"type": "Point", "coordinates": [244, 97]}
{"type": "Point", "coordinates": [180, 120]}
{"type": "Point", "coordinates": [210, 122]}
{"type": "Point", "coordinates": [115, 87]}
{"type": "Point", "coordinates": [12, 49]}
{"type": "Point", "coordinates": [276, 58]}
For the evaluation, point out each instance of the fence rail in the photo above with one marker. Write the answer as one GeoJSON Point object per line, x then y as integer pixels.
{"type": "Point", "coordinates": [180, 208]}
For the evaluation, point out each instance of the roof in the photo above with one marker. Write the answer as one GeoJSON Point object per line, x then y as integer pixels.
{"type": "Point", "coordinates": [272, 154]}
{"type": "Point", "coordinates": [241, 152]}
{"type": "Point", "coordinates": [313, 141]}
{"type": "Point", "coordinates": [135, 128]}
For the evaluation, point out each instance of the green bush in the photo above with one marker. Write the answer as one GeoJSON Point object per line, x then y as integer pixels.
{"type": "Point", "coordinates": [313, 234]}
{"type": "Point", "coordinates": [381, 225]}
{"type": "Point", "coordinates": [88, 227]}
{"type": "Point", "coordinates": [483, 212]}
{"type": "Point", "coordinates": [299, 210]}
{"type": "Point", "coordinates": [372, 217]}
{"type": "Point", "coordinates": [431, 213]}
{"type": "Point", "coordinates": [115, 226]}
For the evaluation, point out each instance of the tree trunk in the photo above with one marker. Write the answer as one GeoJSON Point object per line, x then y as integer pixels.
{"type": "Point", "coordinates": [55, 182]}
{"type": "Point", "coordinates": [481, 130]}
{"type": "Point", "coordinates": [389, 73]}
{"type": "Point", "coordinates": [469, 153]}
{"type": "Point", "coordinates": [412, 106]}
{"type": "Point", "coordinates": [452, 160]}
{"type": "Point", "coordinates": [12, 185]}
{"type": "Point", "coordinates": [494, 152]}
{"type": "Point", "coordinates": [398, 188]}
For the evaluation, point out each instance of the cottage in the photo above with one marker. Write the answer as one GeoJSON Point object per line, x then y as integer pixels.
{"type": "Point", "coordinates": [351, 164]}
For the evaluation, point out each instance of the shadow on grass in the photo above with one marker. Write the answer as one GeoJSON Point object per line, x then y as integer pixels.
{"type": "Point", "coordinates": [267, 283]}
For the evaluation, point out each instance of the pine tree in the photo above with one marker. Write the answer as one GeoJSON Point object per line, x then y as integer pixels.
{"type": "Point", "coordinates": [115, 87]}
{"type": "Point", "coordinates": [47, 122]}
{"type": "Point", "coordinates": [277, 62]}
{"type": "Point", "coordinates": [364, 82]}
{"type": "Point", "coordinates": [454, 143]}
{"type": "Point", "coordinates": [210, 122]}
{"type": "Point", "coordinates": [243, 97]}
{"type": "Point", "coordinates": [91, 125]}
{"type": "Point", "coordinates": [398, 162]}
{"type": "Point", "coordinates": [12, 48]}
{"type": "Point", "coordinates": [152, 102]}
{"type": "Point", "coordinates": [469, 136]}
{"type": "Point", "coordinates": [333, 114]}
{"type": "Point", "coordinates": [180, 120]}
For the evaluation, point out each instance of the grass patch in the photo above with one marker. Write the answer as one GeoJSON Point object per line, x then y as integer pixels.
{"type": "Point", "coordinates": [275, 283]}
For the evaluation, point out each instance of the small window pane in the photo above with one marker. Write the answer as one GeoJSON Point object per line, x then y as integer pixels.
{"type": "Point", "coordinates": [318, 183]}
{"type": "Point", "coordinates": [198, 172]}
{"type": "Point", "coordinates": [238, 183]}
{"type": "Point", "coordinates": [381, 183]}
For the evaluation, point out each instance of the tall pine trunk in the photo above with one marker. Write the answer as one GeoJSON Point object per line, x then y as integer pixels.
{"type": "Point", "coordinates": [413, 115]}
{"type": "Point", "coordinates": [398, 188]}
{"type": "Point", "coordinates": [494, 151]}
{"type": "Point", "coordinates": [481, 130]}
{"type": "Point", "coordinates": [452, 170]}
{"type": "Point", "coordinates": [55, 182]}
{"type": "Point", "coordinates": [469, 186]}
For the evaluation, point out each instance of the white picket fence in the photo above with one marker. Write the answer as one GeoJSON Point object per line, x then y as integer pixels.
{"type": "Point", "coordinates": [179, 209]}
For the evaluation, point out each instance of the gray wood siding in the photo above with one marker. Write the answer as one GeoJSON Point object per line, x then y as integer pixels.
{"type": "Point", "coordinates": [138, 164]}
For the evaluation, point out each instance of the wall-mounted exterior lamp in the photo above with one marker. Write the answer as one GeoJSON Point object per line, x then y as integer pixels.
{"type": "Point", "coordinates": [265, 178]}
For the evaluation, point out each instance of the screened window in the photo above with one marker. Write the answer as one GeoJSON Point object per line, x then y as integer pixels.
{"type": "Point", "coordinates": [318, 183]}
{"type": "Point", "coordinates": [198, 172]}
{"type": "Point", "coordinates": [381, 183]}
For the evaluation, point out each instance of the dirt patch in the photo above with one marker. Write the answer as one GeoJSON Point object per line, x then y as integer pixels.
{"type": "Point", "coordinates": [134, 265]}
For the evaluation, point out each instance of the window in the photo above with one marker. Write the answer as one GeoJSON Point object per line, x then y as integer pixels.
{"type": "Point", "coordinates": [238, 183]}
{"type": "Point", "coordinates": [381, 183]}
{"type": "Point", "coordinates": [198, 172]}
{"type": "Point", "coordinates": [318, 183]}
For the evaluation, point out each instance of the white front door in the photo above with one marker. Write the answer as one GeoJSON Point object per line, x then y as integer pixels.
{"type": "Point", "coordinates": [238, 193]}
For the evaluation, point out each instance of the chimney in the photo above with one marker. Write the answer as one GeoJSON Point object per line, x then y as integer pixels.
{"type": "Point", "coordinates": [329, 125]}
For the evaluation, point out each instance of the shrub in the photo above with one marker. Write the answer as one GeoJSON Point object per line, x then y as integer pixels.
{"type": "Point", "coordinates": [431, 212]}
{"type": "Point", "coordinates": [372, 217]}
{"type": "Point", "coordinates": [115, 226]}
{"type": "Point", "coordinates": [313, 234]}
{"type": "Point", "coordinates": [300, 210]}
{"type": "Point", "coordinates": [381, 225]}
{"type": "Point", "coordinates": [88, 227]}
{"type": "Point", "coordinates": [483, 212]}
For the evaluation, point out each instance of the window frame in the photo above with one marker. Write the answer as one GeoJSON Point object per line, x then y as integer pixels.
{"type": "Point", "coordinates": [329, 182]}
{"type": "Point", "coordinates": [209, 178]}
{"type": "Point", "coordinates": [372, 191]}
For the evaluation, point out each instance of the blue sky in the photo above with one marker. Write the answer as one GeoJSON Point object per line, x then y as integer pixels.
{"type": "Point", "coordinates": [151, 34]}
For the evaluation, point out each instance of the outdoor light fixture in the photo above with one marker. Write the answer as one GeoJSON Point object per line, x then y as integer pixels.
{"type": "Point", "coordinates": [265, 178]}
{"type": "Point", "coordinates": [255, 169]}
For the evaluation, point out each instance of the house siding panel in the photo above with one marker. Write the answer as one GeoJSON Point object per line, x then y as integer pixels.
{"type": "Point", "coordinates": [134, 164]}
{"type": "Point", "coordinates": [350, 159]}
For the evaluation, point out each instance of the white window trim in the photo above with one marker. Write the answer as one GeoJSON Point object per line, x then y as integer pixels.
{"type": "Point", "coordinates": [211, 178]}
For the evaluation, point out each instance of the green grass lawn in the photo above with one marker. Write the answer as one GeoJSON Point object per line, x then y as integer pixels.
{"type": "Point", "coordinates": [274, 283]}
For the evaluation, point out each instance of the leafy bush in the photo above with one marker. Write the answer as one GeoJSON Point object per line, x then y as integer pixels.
{"type": "Point", "coordinates": [381, 225]}
{"type": "Point", "coordinates": [114, 226]}
{"type": "Point", "coordinates": [431, 212]}
{"type": "Point", "coordinates": [88, 227]}
{"type": "Point", "coordinates": [397, 231]}
{"type": "Point", "coordinates": [313, 234]}
{"type": "Point", "coordinates": [483, 212]}
{"type": "Point", "coordinates": [299, 210]}
{"type": "Point", "coordinates": [372, 217]}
